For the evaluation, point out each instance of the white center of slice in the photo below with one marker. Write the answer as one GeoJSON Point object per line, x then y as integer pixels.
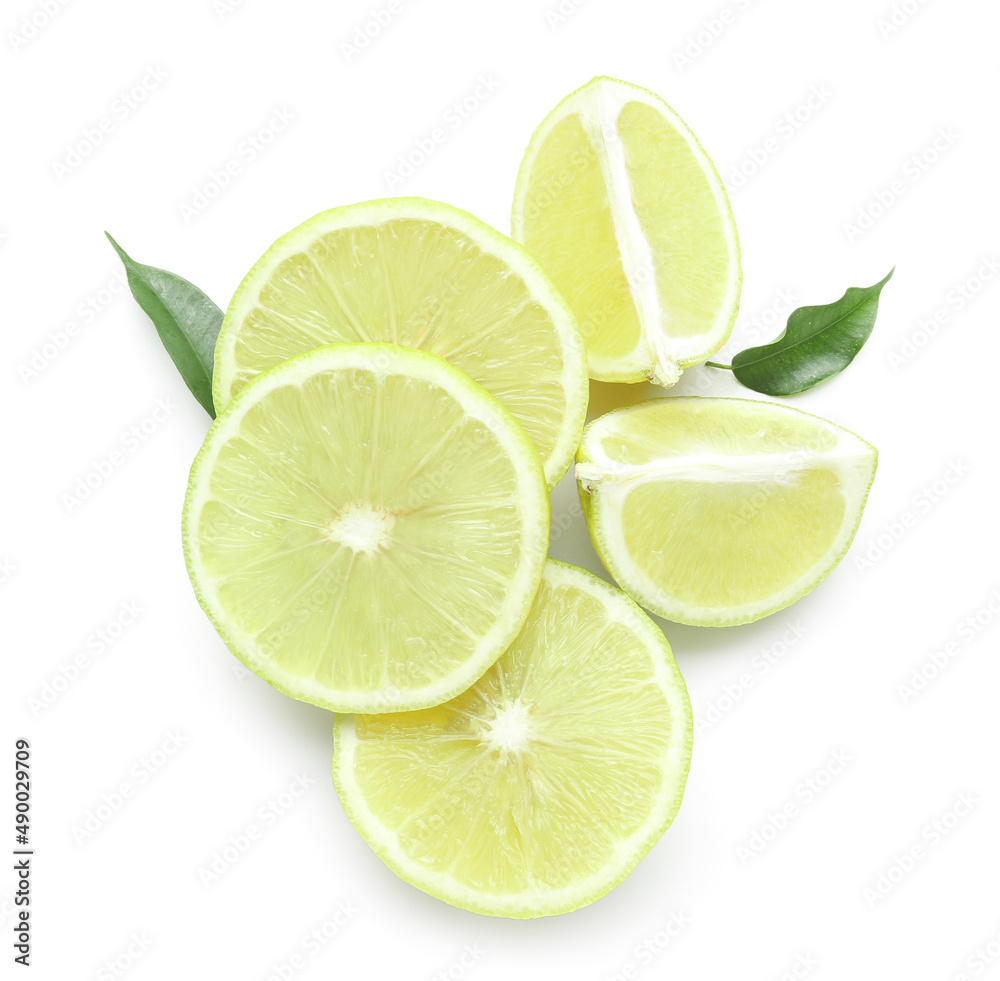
{"type": "Point", "coordinates": [779, 468]}
{"type": "Point", "coordinates": [361, 527]}
{"type": "Point", "coordinates": [509, 731]}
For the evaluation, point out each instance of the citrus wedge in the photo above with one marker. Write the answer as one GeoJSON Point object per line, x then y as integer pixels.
{"type": "Point", "coordinates": [540, 788]}
{"type": "Point", "coordinates": [366, 527]}
{"type": "Point", "coordinates": [625, 211]}
{"type": "Point", "coordinates": [419, 274]}
{"type": "Point", "coordinates": [714, 511]}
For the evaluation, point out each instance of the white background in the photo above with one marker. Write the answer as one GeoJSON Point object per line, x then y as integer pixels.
{"type": "Point", "coordinates": [70, 566]}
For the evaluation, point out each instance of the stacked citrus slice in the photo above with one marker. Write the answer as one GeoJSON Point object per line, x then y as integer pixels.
{"type": "Point", "coordinates": [366, 528]}
{"type": "Point", "coordinates": [539, 788]}
{"type": "Point", "coordinates": [419, 274]}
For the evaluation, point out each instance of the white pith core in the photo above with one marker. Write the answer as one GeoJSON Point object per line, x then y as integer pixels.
{"type": "Point", "coordinates": [599, 116]}
{"type": "Point", "coordinates": [750, 468]}
{"type": "Point", "coordinates": [361, 527]}
{"type": "Point", "coordinates": [509, 731]}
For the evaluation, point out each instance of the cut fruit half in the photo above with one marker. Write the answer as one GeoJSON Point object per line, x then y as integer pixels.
{"type": "Point", "coordinates": [366, 528]}
{"type": "Point", "coordinates": [625, 211]}
{"type": "Point", "coordinates": [715, 511]}
{"type": "Point", "coordinates": [424, 275]}
{"type": "Point", "coordinates": [542, 786]}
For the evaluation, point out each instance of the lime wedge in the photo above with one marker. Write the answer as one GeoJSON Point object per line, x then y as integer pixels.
{"type": "Point", "coordinates": [625, 211]}
{"type": "Point", "coordinates": [366, 527]}
{"type": "Point", "coordinates": [419, 274]}
{"type": "Point", "coordinates": [542, 786]}
{"type": "Point", "coordinates": [715, 511]}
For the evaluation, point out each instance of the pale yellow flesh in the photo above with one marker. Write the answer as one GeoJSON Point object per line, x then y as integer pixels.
{"type": "Point", "coordinates": [680, 218]}
{"type": "Point", "coordinates": [568, 225]}
{"type": "Point", "coordinates": [539, 787]}
{"type": "Point", "coordinates": [715, 511]}
{"type": "Point", "coordinates": [715, 545]}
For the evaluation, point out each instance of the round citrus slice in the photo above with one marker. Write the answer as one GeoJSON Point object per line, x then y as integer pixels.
{"type": "Point", "coordinates": [424, 275]}
{"type": "Point", "coordinates": [716, 511]}
{"type": "Point", "coordinates": [366, 527]}
{"type": "Point", "coordinates": [625, 211]}
{"type": "Point", "coordinates": [542, 786]}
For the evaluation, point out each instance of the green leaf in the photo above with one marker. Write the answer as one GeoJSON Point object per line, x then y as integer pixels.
{"type": "Point", "coordinates": [185, 318]}
{"type": "Point", "coordinates": [818, 343]}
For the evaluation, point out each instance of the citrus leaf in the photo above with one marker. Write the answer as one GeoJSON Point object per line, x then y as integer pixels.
{"type": "Point", "coordinates": [185, 318]}
{"type": "Point", "coordinates": [817, 343]}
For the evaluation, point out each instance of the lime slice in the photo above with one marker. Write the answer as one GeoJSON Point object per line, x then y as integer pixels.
{"type": "Point", "coordinates": [716, 511]}
{"type": "Point", "coordinates": [366, 528]}
{"type": "Point", "coordinates": [542, 786]}
{"type": "Point", "coordinates": [424, 275]}
{"type": "Point", "coordinates": [625, 211]}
